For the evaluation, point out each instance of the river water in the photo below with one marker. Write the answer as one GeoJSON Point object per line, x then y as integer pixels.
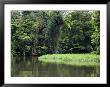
{"type": "Point", "coordinates": [31, 67]}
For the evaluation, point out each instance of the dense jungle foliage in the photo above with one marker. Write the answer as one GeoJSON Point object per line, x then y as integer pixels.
{"type": "Point", "coordinates": [51, 32]}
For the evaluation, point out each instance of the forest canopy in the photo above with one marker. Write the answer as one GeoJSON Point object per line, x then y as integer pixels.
{"type": "Point", "coordinates": [51, 32]}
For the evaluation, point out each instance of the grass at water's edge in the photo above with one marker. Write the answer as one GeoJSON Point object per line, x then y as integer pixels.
{"type": "Point", "coordinates": [72, 59]}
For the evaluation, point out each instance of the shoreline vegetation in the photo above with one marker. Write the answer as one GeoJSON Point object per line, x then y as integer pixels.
{"type": "Point", "coordinates": [72, 59]}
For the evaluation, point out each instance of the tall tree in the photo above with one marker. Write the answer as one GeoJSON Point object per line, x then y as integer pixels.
{"type": "Point", "coordinates": [54, 25]}
{"type": "Point", "coordinates": [76, 34]}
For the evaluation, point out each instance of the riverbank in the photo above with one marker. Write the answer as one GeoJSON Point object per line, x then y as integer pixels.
{"type": "Point", "coordinates": [72, 59]}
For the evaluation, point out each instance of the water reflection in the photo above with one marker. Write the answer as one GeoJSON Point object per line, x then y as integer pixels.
{"type": "Point", "coordinates": [31, 67]}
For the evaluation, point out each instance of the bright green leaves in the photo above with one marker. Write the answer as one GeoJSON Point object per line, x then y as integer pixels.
{"type": "Point", "coordinates": [55, 31]}
{"type": "Point", "coordinates": [96, 33]}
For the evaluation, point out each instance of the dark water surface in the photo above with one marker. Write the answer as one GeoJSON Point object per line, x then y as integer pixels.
{"type": "Point", "coordinates": [31, 67]}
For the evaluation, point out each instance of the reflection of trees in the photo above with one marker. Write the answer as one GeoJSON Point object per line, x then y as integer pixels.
{"type": "Point", "coordinates": [31, 67]}
{"type": "Point", "coordinates": [35, 66]}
